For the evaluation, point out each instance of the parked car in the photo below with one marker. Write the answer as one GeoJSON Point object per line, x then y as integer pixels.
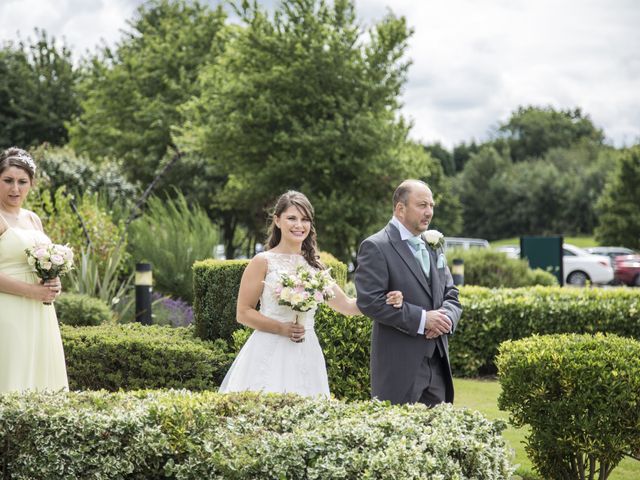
{"type": "Point", "coordinates": [511, 251]}
{"type": "Point", "coordinates": [626, 264]}
{"type": "Point", "coordinates": [465, 243]}
{"type": "Point", "coordinates": [581, 266]}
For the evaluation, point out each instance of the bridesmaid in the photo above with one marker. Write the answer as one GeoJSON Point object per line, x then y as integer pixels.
{"type": "Point", "coordinates": [31, 354]}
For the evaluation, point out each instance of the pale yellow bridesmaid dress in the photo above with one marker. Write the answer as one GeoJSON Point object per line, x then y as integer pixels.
{"type": "Point", "coordinates": [31, 354]}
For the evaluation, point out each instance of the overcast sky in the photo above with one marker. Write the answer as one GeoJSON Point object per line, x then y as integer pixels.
{"type": "Point", "coordinates": [474, 61]}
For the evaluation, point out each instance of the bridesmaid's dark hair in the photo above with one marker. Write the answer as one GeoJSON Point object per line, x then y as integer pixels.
{"type": "Point", "coordinates": [309, 245]}
{"type": "Point", "coordinates": [19, 158]}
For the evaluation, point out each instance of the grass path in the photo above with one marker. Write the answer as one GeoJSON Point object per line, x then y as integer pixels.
{"type": "Point", "coordinates": [482, 395]}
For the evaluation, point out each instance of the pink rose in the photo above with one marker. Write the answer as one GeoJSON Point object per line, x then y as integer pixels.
{"type": "Point", "coordinates": [57, 259]}
{"type": "Point", "coordinates": [318, 296]}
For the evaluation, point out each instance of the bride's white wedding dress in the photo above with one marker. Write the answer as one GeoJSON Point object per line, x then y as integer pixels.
{"type": "Point", "coordinates": [273, 363]}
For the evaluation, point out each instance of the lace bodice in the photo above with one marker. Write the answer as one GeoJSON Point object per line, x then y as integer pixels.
{"type": "Point", "coordinates": [278, 263]}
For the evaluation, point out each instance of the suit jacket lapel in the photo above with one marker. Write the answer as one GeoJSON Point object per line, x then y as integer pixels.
{"type": "Point", "coordinates": [404, 251]}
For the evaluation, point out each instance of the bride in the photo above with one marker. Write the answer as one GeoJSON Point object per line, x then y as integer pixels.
{"type": "Point", "coordinates": [275, 358]}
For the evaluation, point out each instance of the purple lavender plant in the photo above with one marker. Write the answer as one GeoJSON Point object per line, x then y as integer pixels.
{"type": "Point", "coordinates": [171, 311]}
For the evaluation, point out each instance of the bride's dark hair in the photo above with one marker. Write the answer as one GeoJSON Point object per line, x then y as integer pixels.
{"type": "Point", "coordinates": [309, 245]}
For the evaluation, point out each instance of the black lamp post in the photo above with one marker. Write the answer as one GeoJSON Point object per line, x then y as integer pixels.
{"type": "Point", "coordinates": [144, 281]}
{"type": "Point", "coordinates": [457, 271]}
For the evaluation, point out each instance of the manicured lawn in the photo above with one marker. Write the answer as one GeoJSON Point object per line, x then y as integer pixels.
{"type": "Point", "coordinates": [582, 242]}
{"type": "Point", "coordinates": [482, 395]}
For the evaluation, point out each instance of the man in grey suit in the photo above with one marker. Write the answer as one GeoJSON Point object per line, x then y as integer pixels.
{"type": "Point", "coordinates": [409, 346]}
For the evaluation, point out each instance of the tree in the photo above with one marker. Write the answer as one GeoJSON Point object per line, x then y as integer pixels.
{"type": "Point", "coordinates": [462, 153]}
{"type": "Point", "coordinates": [617, 208]}
{"type": "Point", "coordinates": [307, 100]}
{"type": "Point", "coordinates": [130, 96]}
{"type": "Point", "coordinates": [480, 188]}
{"type": "Point", "coordinates": [37, 92]}
{"type": "Point", "coordinates": [437, 151]}
{"type": "Point", "coordinates": [533, 131]}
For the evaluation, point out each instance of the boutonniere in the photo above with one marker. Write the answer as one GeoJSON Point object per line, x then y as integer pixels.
{"type": "Point", "coordinates": [434, 238]}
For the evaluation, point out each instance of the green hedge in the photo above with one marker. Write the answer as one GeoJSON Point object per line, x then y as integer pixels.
{"type": "Point", "coordinates": [489, 268]}
{"type": "Point", "coordinates": [216, 284]}
{"type": "Point", "coordinates": [580, 395]}
{"type": "Point", "coordinates": [183, 435]}
{"type": "Point", "coordinates": [134, 356]}
{"type": "Point", "coordinates": [82, 310]}
{"type": "Point", "coordinates": [491, 316]}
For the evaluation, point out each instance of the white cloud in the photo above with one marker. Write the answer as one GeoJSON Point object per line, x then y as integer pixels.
{"type": "Point", "coordinates": [474, 62]}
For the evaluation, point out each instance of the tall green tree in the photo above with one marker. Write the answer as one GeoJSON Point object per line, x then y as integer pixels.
{"type": "Point", "coordinates": [617, 208]}
{"type": "Point", "coordinates": [532, 131]}
{"type": "Point", "coordinates": [444, 156]}
{"type": "Point", "coordinates": [307, 99]}
{"type": "Point", "coordinates": [552, 195]}
{"type": "Point", "coordinates": [130, 95]}
{"type": "Point", "coordinates": [37, 92]}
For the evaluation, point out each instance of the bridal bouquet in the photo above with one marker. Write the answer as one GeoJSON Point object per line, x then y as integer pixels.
{"type": "Point", "coordinates": [304, 290]}
{"type": "Point", "coordinates": [50, 260]}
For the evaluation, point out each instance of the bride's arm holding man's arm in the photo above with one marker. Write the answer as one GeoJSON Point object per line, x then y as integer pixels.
{"type": "Point", "coordinates": [347, 306]}
{"type": "Point", "coordinates": [248, 296]}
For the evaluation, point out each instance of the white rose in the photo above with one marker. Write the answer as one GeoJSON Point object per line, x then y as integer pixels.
{"type": "Point", "coordinates": [285, 294]}
{"type": "Point", "coordinates": [433, 237]}
{"type": "Point", "coordinates": [297, 298]}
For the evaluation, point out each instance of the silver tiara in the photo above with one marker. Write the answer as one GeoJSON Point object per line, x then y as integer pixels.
{"type": "Point", "coordinates": [25, 158]}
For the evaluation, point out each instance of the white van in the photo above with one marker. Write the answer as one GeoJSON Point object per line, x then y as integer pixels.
{"type": "Point", "coordinates": [465, 243]}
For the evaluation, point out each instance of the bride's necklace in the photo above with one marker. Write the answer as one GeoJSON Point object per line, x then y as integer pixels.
{"type": "Point", "coordinates": [12, 216]}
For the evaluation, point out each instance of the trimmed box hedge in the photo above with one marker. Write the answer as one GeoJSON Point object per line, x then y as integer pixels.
{"type": "Point", "coordinates": [216, 284]}
{"type": "Point", "coordinates": [580, 395]}
{"type": "Point", "coordinates": [189, 436]}
{"type": "Point", "coordinates": [492, 316]}
{"type": "Point", "coordinates": [82, 310]}
{"type": "Point", "coordinates": [134, 356]}
{"type": "Point", "coordinates": [489, 318]}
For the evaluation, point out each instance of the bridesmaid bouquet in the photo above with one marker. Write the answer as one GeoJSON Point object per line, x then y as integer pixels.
{"type": "Point", "coordinates": [304, 290]}
{"type": "Point", "coordinates": [50, 260]}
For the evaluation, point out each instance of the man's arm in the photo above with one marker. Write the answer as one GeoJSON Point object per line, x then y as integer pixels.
{"type": "Point", "coordinates": [372, 285]}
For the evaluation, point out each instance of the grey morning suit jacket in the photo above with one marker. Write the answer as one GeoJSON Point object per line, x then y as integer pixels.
{"type": "Point", "coordinates": [385, 263]}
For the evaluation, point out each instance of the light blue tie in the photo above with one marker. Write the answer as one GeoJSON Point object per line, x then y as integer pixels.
{"type": "Point", "coordinates": [421, 254]}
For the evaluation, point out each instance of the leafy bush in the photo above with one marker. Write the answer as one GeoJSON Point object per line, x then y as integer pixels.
{"type": "Point", "coordinates": [580, 395]}
{"type": "Point", "coordinates": [171, 235]}
{"type": "Point", "coordinates": [134, 356]}
{"type": "Point", "coordinates": [489, 268]}
{"type": "Point", "coordinates": [183, 435]}
{"type": "Point", "coordinates": [81, 310]}
{"type": "Point", "coordinates": [106, 284]}
{"type": "Point", "coordinates": [491, 316]}
{"type": "Point", "coordinates": [82, 223]}
{"type": "Point", "coordinates": [60, 166]}
{"type": "Point", "coordinates": [216, 284]}
{"type": "Point", "coordinates": [345, 342]}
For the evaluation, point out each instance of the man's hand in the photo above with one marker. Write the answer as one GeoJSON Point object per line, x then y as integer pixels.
{"type": "Point", "coordinates": [437, 323]}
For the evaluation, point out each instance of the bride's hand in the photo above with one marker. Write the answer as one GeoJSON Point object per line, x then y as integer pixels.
{"type": "Point", "coordinates": [395, 298]}
{"type": "Point", "coordinates": [294, 331]}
